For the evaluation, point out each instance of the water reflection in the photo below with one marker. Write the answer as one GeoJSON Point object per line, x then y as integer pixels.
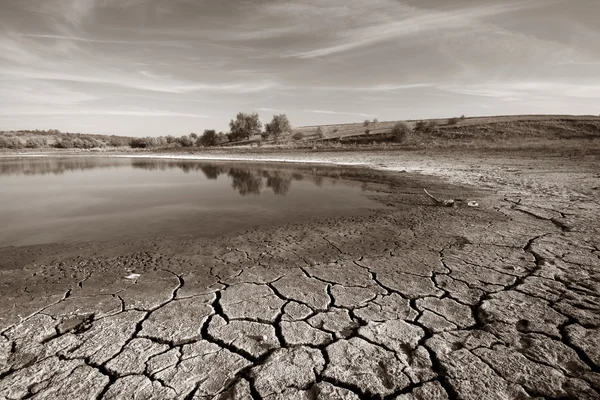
{"type": "Point", "coordinates": [246, 179]}
{"type": "Point", "coordinates": [49, 200]}
{"type": "Point", "coordinates": [55, 166]}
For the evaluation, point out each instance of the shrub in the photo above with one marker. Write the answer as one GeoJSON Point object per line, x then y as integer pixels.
{"type": "Point", "coordinates": [186, 141]}
{"type": "Point", "coordinates": [35, 143]}
{"type": "Point", "coordinates": [277, 126]}
{"type": "Point", "coordinates": [64, 143]}
{"type": "Point", "coordinates": [401, 131]}
{"type": "Point", "coordinates": [453, 121]}
{"type": "Point", "coordinates": [222, 138]}
{"type": "Point", "coordinates": [425, 126]}
{"type": "Point", "coordinates": [366, 123]}
{"type": "Point", "coordinates": [116, 141]}
{"type": "Point", "coordinates": [335, 130]}
{"type": "Point", "coordinates": [298, 136]}
{"type": "Point", "coordinates": [243, 126]}
{"type": "Point", "coordinates": [10, 142]}
{"type": "Point", "coordinates": [375, 120]}
{"type": "Point", "coordinates": [367, 131]}
{"type": "Point", "coordinates": [171, 139]}
{"type": "Point", "coordinates": [138, 143]}
{"type": "Point", "coordinates": [463, 117]}
{"type": "Point", "coordinates": [320, 132]}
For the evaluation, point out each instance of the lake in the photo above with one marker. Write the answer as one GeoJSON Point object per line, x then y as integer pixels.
{"type": "Point", "coordinates": [78, 199]}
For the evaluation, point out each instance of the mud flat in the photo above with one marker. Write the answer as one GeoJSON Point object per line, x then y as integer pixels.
{"type": "Point", "coordinates": [413, 301]}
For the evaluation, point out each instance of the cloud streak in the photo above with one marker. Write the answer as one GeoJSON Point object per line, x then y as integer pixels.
{"type": "Point", "coordinates": [412, 23]}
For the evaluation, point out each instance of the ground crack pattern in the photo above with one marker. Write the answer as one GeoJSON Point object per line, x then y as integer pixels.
{"type": "Point", "coordinates": [369, 309]}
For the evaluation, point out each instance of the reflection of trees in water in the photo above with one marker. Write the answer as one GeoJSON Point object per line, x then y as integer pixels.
{"type": "Point", "coordinates": [279, 183]}
{"type": "Point", "coordinates": [245, 182]}
{"type": "Point", "coordinates": [212, 172]}
{"type": "Point", "coordinates": [246, 178]}
{"type": "Point", "coordinates": [54, 166]}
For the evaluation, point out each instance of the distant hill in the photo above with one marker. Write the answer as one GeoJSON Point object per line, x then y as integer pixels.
{"type": "Point", "coordinates": [448, 132]}
{"type": "Point", "coordinates": [500, 127]}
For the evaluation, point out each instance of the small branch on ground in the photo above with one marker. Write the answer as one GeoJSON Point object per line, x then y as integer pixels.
{"type": "Point", "coordinates": [450, 202]}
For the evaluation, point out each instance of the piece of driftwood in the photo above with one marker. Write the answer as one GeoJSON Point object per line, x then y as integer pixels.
{"type": "Point", "coordinates": [450, 202]}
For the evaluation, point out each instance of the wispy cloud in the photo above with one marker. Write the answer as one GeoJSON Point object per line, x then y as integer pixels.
{"type": "Point", "coordinates": [522, 90]}
{"type": "Point", "coordinates": [270, 109]}
{"type": "Point", "coordinates": [101, 112]}
{"type": "Point", "coordinates": [106, 41]}
{"type": "Point", "coordinates": [338, 113]}
{"type": "Point", "coordinates": [416, 21]}
{"type": "Point", "coordinates": [136, 81]}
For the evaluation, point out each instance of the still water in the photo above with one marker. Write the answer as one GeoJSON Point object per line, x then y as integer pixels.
{"type": "Point", "coordinates": [72, 199]}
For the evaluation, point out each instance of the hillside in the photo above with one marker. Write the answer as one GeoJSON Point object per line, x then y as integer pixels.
{"type": "Point", "coordinates": [480, 129]}
{"type": "Point", "coordinates": [498, 131]}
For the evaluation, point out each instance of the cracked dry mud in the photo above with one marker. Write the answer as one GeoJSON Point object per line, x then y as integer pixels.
{"type": "Point", "coordinates": [411, 302]}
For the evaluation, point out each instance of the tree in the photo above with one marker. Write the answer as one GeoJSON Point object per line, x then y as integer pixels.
{"type": "Point", "coordinates": [194, 135]}
{"type": "Point", "coordinates": [375, 120]}
{"type": "Point", "coordinates": [279, 124]}
{"type": "Point", "coordinates": [171, 139]}
{"type": "Point", "coordinates": [401, 131]}
{"type": "Point", "coordinates": [243, 126]}
{"type": "Point", "coordinates": [208, 138]}
{"type": "Point", "coordinates": [453, 121]}
{"type": "Point", "coordinates": [185, 141]}
{"type": "Point", "coordinates": [366, 123]}
{"type": "Point", "coordinates": [298, 136]}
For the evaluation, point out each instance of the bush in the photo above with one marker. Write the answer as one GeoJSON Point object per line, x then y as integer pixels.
{"type": "Point", "coordinates": [115, 141]}
{"type": "Point", "coordinates": [453, 121]}
{"type": "Point", "coordinates": [375, 120]}
{"type": "Point", "coordinates": [222, 138]}
{"type": "Point", "coordinates": [366, 123]}
{"type": "Point", "coordinates": [10, 142]}
{"type": "Point", "coordinates": [425, 126]}
{"type": "Point", "coordinates": [335, 130]}
{"type": "Point", "coordinates": [401, 131]}
{"type": "Point", "coordinates": [277, 126]}
{"type": "Point", "coordinates": [463, 117]}
{"type": "Point", "coordinates": [138, 143]}
{"type": "Point", "coordinates": [367, 131]}
{"type": "Point", "coordinates": [186, 141]}
{"type": "Point", "coordinates": [35, 143]}
{"type": "Point", "coordinates": [298, 136]}
{"type": "Point", "coordinates": [320, 132]}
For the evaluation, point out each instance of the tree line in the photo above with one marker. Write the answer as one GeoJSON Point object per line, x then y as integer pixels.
{"type": "Point", "coordinates": [243, 127]}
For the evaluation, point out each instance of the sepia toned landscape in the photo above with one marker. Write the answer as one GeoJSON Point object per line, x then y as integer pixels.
{"type": "Point", "coordinates": [284, 200]}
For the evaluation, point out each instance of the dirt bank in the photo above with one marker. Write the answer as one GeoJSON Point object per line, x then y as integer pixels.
{"type": "Point", "coordinates": [414, 301]}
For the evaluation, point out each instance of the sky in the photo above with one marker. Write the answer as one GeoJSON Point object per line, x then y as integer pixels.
{"type": "Point", "coordinates": [159, 67]}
